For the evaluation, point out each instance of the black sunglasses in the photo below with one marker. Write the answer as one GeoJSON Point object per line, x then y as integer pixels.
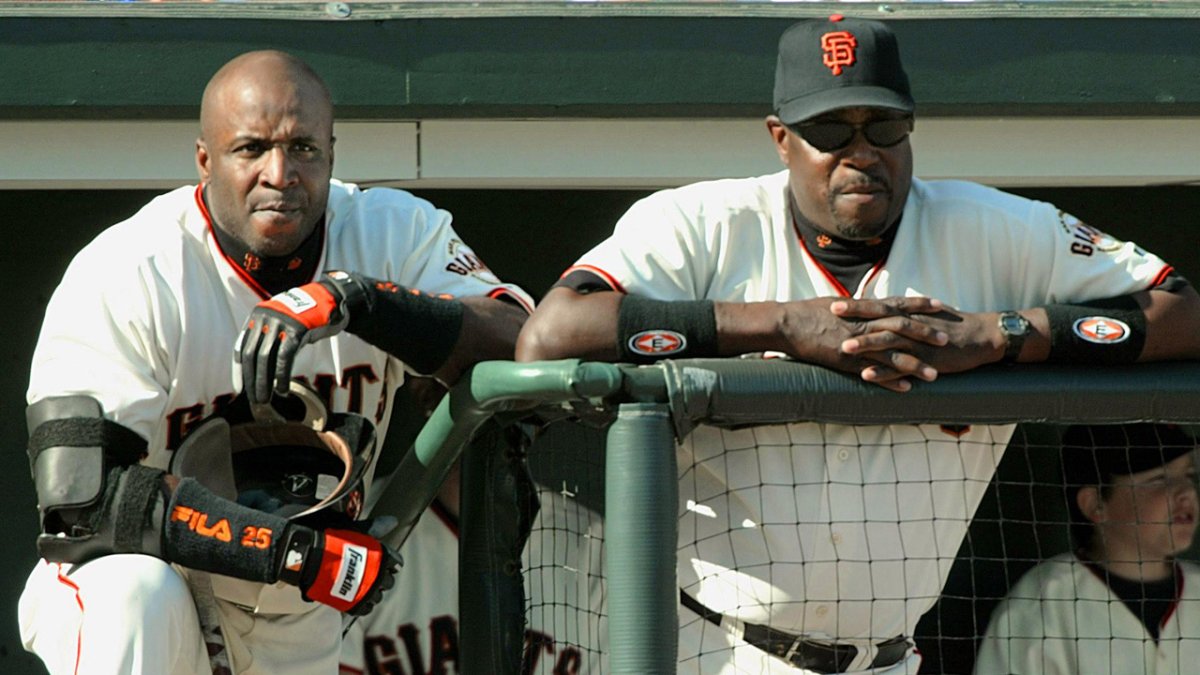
{"type": "Point", "coordinates": [830, 136]}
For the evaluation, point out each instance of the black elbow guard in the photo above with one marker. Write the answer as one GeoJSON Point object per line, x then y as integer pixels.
{"type": "Point", "coordinates": [128, 519]}
{"type": "Point", "coordinates": [79, 460]}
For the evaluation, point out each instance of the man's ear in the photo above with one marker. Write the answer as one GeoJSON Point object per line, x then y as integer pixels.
{"type": "Point", "coordinates": [203, 160]}
{"type": "Point", "coordinates": [779, 134]}
{"type": "Point", "coordinates": [1089, 502]}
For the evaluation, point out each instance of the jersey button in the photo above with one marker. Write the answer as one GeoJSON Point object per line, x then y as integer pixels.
{"type": "Point", "coordinates": [822, 610]}
{"type": "Point", "coordinates": [837, 538]}
{"type": "Point", "coordinates": [843, 454]}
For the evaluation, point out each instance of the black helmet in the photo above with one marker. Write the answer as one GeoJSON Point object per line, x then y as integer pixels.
{"type": "Point", "coordinates": [290, 458]}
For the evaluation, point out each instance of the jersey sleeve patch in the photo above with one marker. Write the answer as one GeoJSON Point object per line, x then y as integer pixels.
{"type": "Point", "coordinates": [1085, 239]}
{"type": "Point", "coordinates": [658, 342]}
{"type": "Point", "coordinates": [1101, 330]}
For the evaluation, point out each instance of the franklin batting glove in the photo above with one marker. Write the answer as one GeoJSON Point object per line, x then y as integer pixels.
{"type": "Point", "coordinates": [278, 327]}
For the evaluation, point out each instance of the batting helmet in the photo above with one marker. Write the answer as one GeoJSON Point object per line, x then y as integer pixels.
{"type": "Point", "coordinates": [294, 460]}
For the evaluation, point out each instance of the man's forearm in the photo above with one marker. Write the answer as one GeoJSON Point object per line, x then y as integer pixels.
{"type": "Point", "coordinates": [488, 332]}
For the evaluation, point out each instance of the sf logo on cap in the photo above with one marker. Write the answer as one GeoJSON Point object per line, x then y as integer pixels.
{"type": "Point", "coordinates": [839, 50]}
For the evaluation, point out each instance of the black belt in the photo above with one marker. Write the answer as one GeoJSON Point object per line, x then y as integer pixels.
{"type": "Point", "coordinates": [822, 657]}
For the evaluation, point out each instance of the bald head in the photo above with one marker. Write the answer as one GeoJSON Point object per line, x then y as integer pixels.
{"type": "Point", "coordinates": [265, 151]}
{"type": "Point", "coordinates": [257, 71]}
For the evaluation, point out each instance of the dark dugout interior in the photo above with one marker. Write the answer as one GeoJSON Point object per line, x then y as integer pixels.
{"type": "Point", "coordinates": [529, 237]}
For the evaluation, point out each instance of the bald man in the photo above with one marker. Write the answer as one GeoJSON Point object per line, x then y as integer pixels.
{"type": "Point", "coordinates": [301, 278]}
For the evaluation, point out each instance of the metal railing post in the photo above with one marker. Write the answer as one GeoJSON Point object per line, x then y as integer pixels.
{"type": "Point", "coordinates": [641, 528]}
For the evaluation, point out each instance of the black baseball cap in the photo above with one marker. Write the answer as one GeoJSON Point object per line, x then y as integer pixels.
{"type": "Point", "coordinates": [1094, 454]}
{"type": "Point", "coordinates": [827, 64]}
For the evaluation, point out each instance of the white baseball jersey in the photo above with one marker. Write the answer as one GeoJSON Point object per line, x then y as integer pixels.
{"type": "Point", "coordinates": [145, 320]}
{"type": "Point", "coordinates": [840, 532]}
{"type": "Point", "coordinates": [415, 628]}
{"type": "Point", "coordinates": [1061, 618]}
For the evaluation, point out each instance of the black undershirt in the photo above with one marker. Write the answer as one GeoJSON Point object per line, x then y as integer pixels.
{"type": "Point", "coordinates": [846, 259]}
{"type": "Point", "coordinates": [275, 274]}
{"type": "Point", "coordinates": [1149, 601]}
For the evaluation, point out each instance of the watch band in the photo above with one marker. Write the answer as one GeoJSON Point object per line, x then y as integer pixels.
{"type": "Point", "coordinates": [1015, 328]}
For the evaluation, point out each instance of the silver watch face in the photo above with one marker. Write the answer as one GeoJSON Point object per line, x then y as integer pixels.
{"type": "Point", "coordinates": [1014, 324]}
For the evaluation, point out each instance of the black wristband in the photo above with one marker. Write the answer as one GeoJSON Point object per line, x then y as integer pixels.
{"type": "Point", "coordinates": [212, 534]}
{"type": "Point", "coordinates": [649, 330]}
{"type": "Point", "coordinates": [1111, 331]}
{"type": "Point", "coordinates": [415, 327]}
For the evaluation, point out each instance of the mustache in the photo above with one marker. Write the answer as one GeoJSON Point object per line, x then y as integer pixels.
{"type": "Point", "coordinates": [871, 181]}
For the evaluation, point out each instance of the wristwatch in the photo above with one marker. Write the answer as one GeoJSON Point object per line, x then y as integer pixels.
{"type": "Point", "coordinates": [1015, 328]}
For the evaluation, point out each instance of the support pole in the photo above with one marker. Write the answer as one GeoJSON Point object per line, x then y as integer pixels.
{"type": "Point", "coordinates": [641, 529]}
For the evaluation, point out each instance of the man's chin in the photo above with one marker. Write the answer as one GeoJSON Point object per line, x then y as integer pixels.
{"type": "Point", "coordinates": [276, 233]}
{"type": "Point", "coordinates": [855, 230]}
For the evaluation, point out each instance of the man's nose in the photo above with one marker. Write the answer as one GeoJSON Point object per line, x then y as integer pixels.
{"type": "Point", "coordinates": [279, 169]}
{"type": "Point", "coordinates": [860, 152]}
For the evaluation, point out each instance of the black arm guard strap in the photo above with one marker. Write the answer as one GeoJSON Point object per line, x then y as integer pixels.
{"type": "Point", "coordinates": [72, 449]}
{"type": "Point", "coordinates": [128, 520]}
{"type": "Point", "coordinates": [417, 328]}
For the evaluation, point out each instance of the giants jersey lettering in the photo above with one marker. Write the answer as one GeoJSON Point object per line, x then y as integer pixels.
{"type": "Point", "coordinates": [146, 316]}
{"type": "Point", "coordinates": [415, 628]}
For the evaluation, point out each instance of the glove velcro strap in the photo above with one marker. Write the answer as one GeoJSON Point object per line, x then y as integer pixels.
{"type": "Point", "coordinates": [350, 564]}
{"type": "Point", "coordinates": [313, 305]}
{"type": "Point", "coordinates": [212, 534]}
{"type": "Point", "coordinates": [350, 290]}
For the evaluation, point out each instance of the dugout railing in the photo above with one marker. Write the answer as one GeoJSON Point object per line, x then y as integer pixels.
{"type": "Point", "coordinates": [489, 417]}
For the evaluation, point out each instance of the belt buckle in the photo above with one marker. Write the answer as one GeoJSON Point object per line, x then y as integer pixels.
{"type": "Point", "coordinates": [793, 649]}
{"type": "Point", "coordinates": [821, 657]}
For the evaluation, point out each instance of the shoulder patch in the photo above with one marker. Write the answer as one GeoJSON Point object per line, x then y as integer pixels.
{"type": "Point", "coordinates": [657, 342]}
{"type": "Point", "coordinates": [464, 262]}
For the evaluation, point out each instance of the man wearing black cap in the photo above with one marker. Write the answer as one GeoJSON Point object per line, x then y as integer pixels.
{"type": "Point", "coordinates": [847, 261]}
{"type": "Point", "coordinates": [1120, 603]}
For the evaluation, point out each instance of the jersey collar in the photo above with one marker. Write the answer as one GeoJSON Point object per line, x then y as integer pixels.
{"type": "Point", "coordinates": [266, 275]}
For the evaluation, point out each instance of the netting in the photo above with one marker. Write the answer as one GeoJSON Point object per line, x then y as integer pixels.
{"type": "Point", "coordinates": [860, 532]}
{"type": "Point", "coordinates": [720, 517]}
{"type": "Point", "coordinates": [838, 546]}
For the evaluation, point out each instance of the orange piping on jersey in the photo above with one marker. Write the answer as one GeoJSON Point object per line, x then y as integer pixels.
{"type": "Point", "coordinates": [1161, 276]}
{"type": "Point", "coordinates": [509, 294]}
{"type": "Point", "coordinates": [79, 601]}
{"type": "Point", "coordinates": [605, 276]}
{"type": "Point", "coordinates": [837, 285]}
{"type": "Point", "coordinates": [246, 278]}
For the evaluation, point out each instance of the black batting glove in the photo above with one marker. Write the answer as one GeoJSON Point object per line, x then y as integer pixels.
{"type": "Point", "coordinates": [278, 327]}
